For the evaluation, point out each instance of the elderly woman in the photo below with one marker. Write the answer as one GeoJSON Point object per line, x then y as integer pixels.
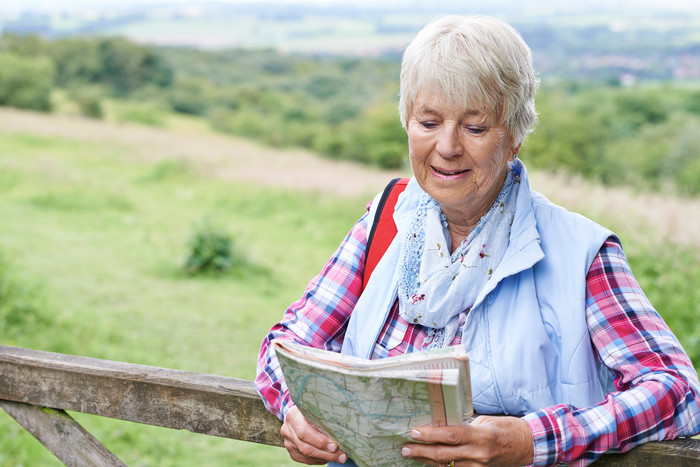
{"type": "Point", "coordinates": [561, 339]}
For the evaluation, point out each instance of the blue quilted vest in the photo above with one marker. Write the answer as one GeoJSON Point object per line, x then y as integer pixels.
{"type": "Point", "coordinates": [526, 334]}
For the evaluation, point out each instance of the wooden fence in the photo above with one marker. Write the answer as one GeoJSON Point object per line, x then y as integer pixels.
{"type": "Point", "coordinates": [36, 388]}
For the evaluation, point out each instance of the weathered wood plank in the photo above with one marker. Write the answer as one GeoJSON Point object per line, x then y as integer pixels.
{"type": "Point", "coordinates": [208, 404]}
{"type": "Point", "coordinates": [214, 405]}
{"type": "Point", "coordinates": [61, 435]}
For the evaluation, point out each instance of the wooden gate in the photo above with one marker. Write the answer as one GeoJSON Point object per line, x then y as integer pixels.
{"type": "Point", "coordinates": [36, 388]}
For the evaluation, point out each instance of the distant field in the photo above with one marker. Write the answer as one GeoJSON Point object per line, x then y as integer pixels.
{"type": "Point", "coordinates": [340, 36]}
{"type": "Point", "coordinates": [95, 220]}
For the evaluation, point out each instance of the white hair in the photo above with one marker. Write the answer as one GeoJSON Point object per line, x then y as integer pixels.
{"type": "Point", "coordinates": [476, 62]}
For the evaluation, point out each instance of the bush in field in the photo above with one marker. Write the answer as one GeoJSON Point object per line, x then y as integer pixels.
{"type": "Point", "coordinates": [387, 141]}
{"type": "Point", "coordinates": [24, 45]}
{"type": "Point", "coordinates": [118, 64]}
{"type": "Point", "coordinates": [89, 100]}
{"type": "Point", "coordinates": [682, 163]}
{"type": "Point", "coordinates": [126, 66]}
{"type": "Point", "coordinates": [77, 61]}
{"type": "Point", "coordinates": [210, 250]}
{"type": "Point", "coordinates": [390, 155]}
{"type": "Point", "coordinates": [375, 137]}
{"type": "Point", "coordinates": [26, 82]}
{"type": "Point", "coordinates": [689, 179]}
{"type": "Point", "coordinates": [191, 96]}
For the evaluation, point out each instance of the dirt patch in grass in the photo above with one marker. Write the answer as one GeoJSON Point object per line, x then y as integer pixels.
{"type": "Point", "coordinates": [211, 153]}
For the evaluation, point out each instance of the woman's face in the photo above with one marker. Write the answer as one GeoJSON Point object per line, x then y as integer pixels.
{"type": "Point", "coordinates": [459, 156]}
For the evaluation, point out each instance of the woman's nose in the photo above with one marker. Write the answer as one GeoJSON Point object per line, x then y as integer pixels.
{"type": "Point", "coordinates": [449, 143]}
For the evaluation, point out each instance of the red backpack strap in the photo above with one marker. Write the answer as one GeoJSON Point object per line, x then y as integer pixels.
{"type": "Point", "coordinates": [383, 228]}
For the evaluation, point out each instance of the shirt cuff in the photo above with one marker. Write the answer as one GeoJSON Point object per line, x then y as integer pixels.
{"type": "Point", "coordinates": [544, 438]}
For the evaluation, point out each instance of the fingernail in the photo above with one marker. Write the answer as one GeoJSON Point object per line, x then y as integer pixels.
{"type": "Point", "coordinates": [332, 447]}
{"type": "Point", "coordinates": [415, 434]}
{"type": "Point", "coordinates": [343, 458]}
{"type": "Point", "coordinates": [405, 451]}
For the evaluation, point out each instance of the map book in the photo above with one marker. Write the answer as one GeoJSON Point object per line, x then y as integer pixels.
{"type": "Point", "coordinates": [370, 406]}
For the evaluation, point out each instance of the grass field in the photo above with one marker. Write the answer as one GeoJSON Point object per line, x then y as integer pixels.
{"type": "Point", "coordinates": [93, 238]}
{"type": "Point", "coordinates": [95, 221]}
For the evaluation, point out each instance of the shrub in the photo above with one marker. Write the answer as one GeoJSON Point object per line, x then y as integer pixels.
{"type": "Point", "coordinates": [26, 82]}
{"type": "Point", "coordinates": [89, 101]}
{"type": "Point", "coordinates": [125, 66]}
{"type": "Point", "coordinates": [210, 250]}
{"type": "Point", "coordinates": [77, 61]}
{"type": "Point", "coordinates": [391, 155]}
{"type": "Point", "coordinates": [191, 96]}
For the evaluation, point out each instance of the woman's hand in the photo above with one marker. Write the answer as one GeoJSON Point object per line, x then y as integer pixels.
{"type": "Point", "coordinates": [485, 441]}
{"type": "Point", "coordinates": [306, 444]}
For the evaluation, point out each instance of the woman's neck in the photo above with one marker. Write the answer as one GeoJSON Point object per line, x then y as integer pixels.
{"type": "Point", "coordinates": [458, 232]}
{"type": "Point", "coordinates": [461, 220]}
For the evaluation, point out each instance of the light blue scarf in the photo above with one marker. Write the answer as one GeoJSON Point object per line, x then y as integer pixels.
{"type": "Point", "coordinates": [436, 286]}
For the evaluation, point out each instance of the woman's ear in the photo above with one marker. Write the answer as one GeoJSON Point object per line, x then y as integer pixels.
{"type": "Point", "coordinates": [514, 152]}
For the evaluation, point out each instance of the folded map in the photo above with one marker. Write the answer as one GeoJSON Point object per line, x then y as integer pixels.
{"type": "Point", "coordinates": [370, 406]}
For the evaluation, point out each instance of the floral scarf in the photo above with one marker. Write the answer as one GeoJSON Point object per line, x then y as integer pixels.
{"type": "Point", "coordinates": [436, 286]}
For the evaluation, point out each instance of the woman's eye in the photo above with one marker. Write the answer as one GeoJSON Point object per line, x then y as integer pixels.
{"type": "Point", "coordinates": [429, 124]}
{"type": "Point", "coordinates": [475, 130]}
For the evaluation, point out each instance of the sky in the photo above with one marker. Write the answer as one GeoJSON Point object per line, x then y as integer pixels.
{"type": "Point", "coordinates": [9, 6]}
{"type": "Point", "coordinates": [630, 11]}
{"type": "Point", "coordinates": [79, 4]}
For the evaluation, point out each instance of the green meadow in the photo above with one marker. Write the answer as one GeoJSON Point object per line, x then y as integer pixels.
{"type": "Point", "coordinates": [93, 237]}
{"type": "Point", "coordinates": [92, 243]}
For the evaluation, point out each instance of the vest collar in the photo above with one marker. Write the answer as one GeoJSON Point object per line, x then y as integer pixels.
{"type": "Point", "coordinates": [524, 249]}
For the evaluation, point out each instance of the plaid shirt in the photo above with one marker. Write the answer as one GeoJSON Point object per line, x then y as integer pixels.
{"type": "Point", "coordinates": [651, 371]}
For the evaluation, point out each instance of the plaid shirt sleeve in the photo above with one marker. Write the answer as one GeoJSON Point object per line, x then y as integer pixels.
{"type": "Point", "coordinates": [657, 388]}
{"type": "Point", "coordinates": [318, 319]}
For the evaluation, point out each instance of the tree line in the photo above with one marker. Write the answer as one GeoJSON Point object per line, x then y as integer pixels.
{"type": "Point", "coordinates": [345, 107]}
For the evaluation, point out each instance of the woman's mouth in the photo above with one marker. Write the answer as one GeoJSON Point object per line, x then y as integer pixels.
{"type": "Point", "coordinates": [448, 174]}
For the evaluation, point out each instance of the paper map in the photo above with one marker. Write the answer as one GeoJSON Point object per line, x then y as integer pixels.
{"type": "Point", "coordinates": [371, 416]}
